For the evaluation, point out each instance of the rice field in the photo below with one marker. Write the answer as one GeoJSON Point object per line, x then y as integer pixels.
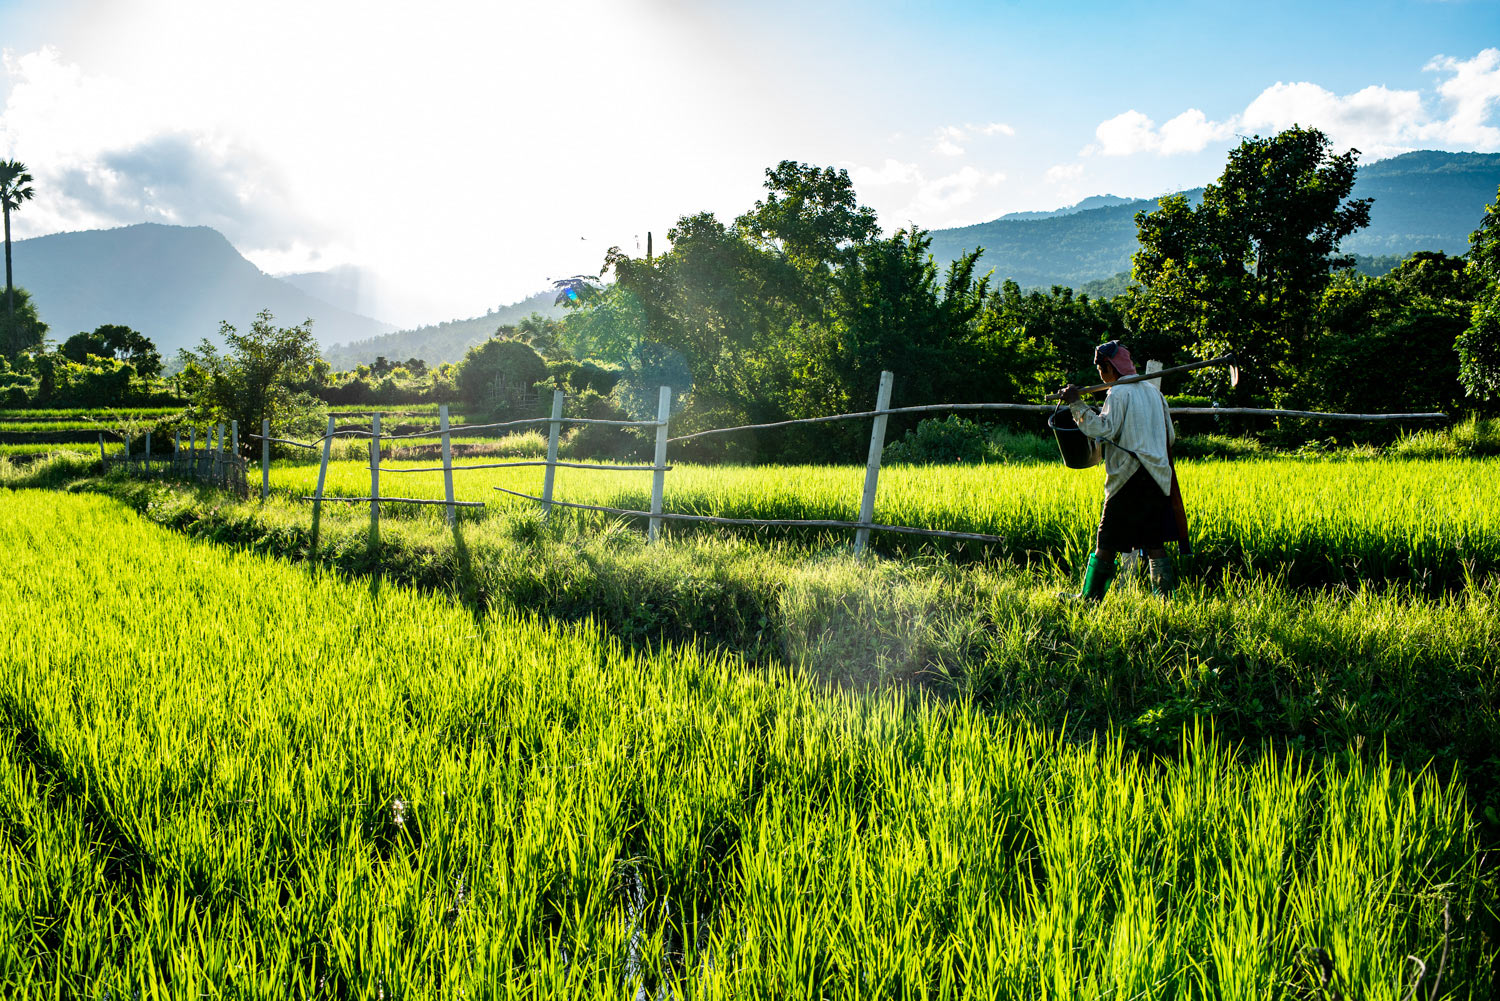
{"type": "Point", "coordinates": [223, 775]}
{"type": "Point", "coordinates": [1432, 524]}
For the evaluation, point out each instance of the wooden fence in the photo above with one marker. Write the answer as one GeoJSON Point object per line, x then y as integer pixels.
{"type": "Point", "coordinates": [213, 464]}
{"type": "Point", "coordinates": [657, 516]}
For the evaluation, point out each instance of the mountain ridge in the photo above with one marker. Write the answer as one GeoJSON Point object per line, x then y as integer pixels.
{"type": "Point", "coordinates": [175, 284]}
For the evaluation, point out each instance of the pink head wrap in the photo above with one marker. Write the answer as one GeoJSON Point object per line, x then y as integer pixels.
{"type": "Point", "coordinates": [1119, 357]}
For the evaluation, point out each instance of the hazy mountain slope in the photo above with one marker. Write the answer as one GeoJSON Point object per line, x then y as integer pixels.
{"type": "Point", "coordinates": [172, 283]}
{"type": "Point", "coordinates": [1423, 201]}
{"type": "Point", "coordinates": [441, 342]}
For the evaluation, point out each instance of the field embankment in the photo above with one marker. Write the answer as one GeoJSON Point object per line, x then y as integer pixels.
{"type": "Point", "coordinates": [221, 773]}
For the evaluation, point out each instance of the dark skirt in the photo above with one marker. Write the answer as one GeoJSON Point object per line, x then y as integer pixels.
{"type": "Point", "coordinates": [1138, 516]}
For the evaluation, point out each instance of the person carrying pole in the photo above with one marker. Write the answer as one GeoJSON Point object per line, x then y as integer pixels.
{"type": "Point", "coordinates": [1142, 503]}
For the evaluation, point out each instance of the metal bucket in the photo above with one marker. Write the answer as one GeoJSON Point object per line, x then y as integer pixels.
{"type": "Point", "coordinates": [1079, 451]}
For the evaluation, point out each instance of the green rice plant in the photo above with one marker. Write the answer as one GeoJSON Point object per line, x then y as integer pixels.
{"type": "Point", "coordinates": [225, 775]}
{"type": "Point", "coordinates": [1312, 522]}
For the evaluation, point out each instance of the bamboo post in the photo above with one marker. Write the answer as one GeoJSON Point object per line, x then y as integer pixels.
{"type": "Point", "coordinates": [553, 429]}
{"type": "Point", "coordinates": [659, 477]}
{"type": "Point", "coordinates": [323, 471]}
{"type": "Point", "coordinates": [872, 464]}
{"type": "Point", "coordinates": [219, 450]}
{"type": "Point", "coordinates": [265, 459]}
{"type": "Point", "coordinates": [193, 452]}
{"type": "Point", "coordinates": [127, 453]}
{"type": "Point", "coordinates": [234, 439]}
{"type": "Point", "coordinates": [176, 447]}
{"type": "Point", "coordinates": [103, 466]}
{"type": "Point", "coordinates": [447, 460]}
{"type": "Point", "coordinates": [374, 474]}
{"type": "Point", "coordinates": [148, 451]}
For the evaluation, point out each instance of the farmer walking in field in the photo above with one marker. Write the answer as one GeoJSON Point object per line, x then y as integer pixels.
{"type": "Point", "coordinates": [1142, 505]}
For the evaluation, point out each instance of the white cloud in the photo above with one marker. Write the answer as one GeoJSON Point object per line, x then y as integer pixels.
{"type": "Point", "coordinates": [1472, 92]}
{"type": "Point", "coordinates": [949, 139]}
{"type": "Point", "coordinates": [890, 172]}
{"type": "Point", "coordinates": [1376, 120]}
{"type": "Point", "coordinates": [1132, 132]}
{"type": "Point", "coordinates": [1064, 173]}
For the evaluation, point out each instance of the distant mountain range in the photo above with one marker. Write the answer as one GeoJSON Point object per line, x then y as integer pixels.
{"type": "Point", "coordinates": [439, 342]}
{"type": "Point", "coordinates": [174, 284]}
{"type": "Point", "coordinates": [1423, 201]}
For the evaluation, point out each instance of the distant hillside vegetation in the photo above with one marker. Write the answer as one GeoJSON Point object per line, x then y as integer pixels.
{"type": "Point", "coordinates": [1423, 201]}
{"type": "Point", "coordinates": [172, 283]}
{"type": "Point", "coordinates": [440, 342]}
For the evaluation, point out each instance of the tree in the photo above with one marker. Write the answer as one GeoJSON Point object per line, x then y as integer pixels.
{"type": "Point", "coordinates": [1479, 344]}
{"type": "Point", "coordinates": [21, 330]}
{"type": "Point", "coordinates": [256, 378]}
{"type": "Point", "coordinates": [15, 188]}
{"type": "Point", "coordinates": [1246, 267]}
{"type": "Point", "coordinates": [499, 371]}
{"type": "Point", "coordinates": [810, 214]}
{"type": "Point", "coordinates": [112, 340]}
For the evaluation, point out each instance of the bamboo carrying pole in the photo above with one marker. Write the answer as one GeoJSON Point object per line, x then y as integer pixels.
{"type": "Point", "coordinates": [447, 459]}
{"type": "Point", "coordinates": [659, 477]}
{"type": "Point", "coordinates": [323, 471]}
{"type": "Point", "coordinates": [265, 459]}
{"type": "Point", "coordinates": [553, 429]}
{"type": "Point", "coordinates": [872, 463]}
{"type": "Point", "coordinates": [374, 476]}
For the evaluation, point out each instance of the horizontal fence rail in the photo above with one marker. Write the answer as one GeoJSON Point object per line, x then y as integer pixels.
{"type": "Point", "coordinates": [229, 470]}
{"type": "Point", "coordinates": [713, 519]}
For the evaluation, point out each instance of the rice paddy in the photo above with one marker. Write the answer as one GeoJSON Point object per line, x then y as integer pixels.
{"type": "Point", "coordinates": [1431, 524]}
{"type": "Point", "coordinates": [226, 775]}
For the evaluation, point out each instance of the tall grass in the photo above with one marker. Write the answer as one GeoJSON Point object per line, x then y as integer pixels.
{"type": "Point", "coordinates": [1310, 522]}
{"type": "Point", "coordinates": [222, 775]}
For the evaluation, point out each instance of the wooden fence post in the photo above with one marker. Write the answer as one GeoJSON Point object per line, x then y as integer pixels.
{"type": "Point", "coordinates": [265, 459]}
{"type": "Point", "coordinates": [219, 450]}
{"type": "Point", "coordinates": [659, 477]}
{"type": "Point", "coordinates": [553, 429]}
{"type": "Point", "coordinates": [323, 471]}
{"type": "Point", "coordinates": [148, 451]}
{"type": "Point", "coordinates": [103, 466]}
{"type": "Point", "coordinates": [193, 452]}
{"type": "Point", "coordinates": [176, 448]}
{"type": "Point", "coordinates": [447, 460]}
{"type": "Point", "coordinates": [234, 439]}
{"type": "Point", "coordinates": [872, 464]}
{"type": "Point", "coordinates": [127, 453]}
{"type": "Point", "coordinates": [375, 474]}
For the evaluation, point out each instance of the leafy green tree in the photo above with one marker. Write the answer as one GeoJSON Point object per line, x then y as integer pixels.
{"type": "Point", "coordinates": [112, 340]}
{"type": "Point", "coordinates": [256, 378]}
{"type": "Point", "coordinates": [1246, 267]}
{"type": "Point", "coordinates": [494, 374]}
{"type": "Point", "coordinates": [810, 215]}
{"type": "Point", "coordinates": [15, 188]}
{"type": "Point", "coordinates": [21, 330]}
{"type": "Point", "coordinates": [1415, 314]}
{"type": "Point", "coordinates": [1479, 344]}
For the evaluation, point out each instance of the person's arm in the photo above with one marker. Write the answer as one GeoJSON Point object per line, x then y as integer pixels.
{"type": "Point", "coordinates": [1107, 423]}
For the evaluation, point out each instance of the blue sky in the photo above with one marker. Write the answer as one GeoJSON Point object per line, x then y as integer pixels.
{"type": "Point", "coordinates": [470, 152]}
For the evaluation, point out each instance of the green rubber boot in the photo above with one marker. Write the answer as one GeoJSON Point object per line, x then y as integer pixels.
{"type": "Point", "coordinates": [1096, 578]}
{"type": "Point", "coordinates": [1163, 577]}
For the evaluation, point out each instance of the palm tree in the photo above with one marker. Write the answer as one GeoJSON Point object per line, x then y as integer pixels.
{"type": "Point", "coordinates": [15, 188]}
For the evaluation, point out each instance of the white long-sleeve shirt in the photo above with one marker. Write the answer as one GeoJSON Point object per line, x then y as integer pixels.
{"type": "Point", "coordinates": [1134, 416]}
